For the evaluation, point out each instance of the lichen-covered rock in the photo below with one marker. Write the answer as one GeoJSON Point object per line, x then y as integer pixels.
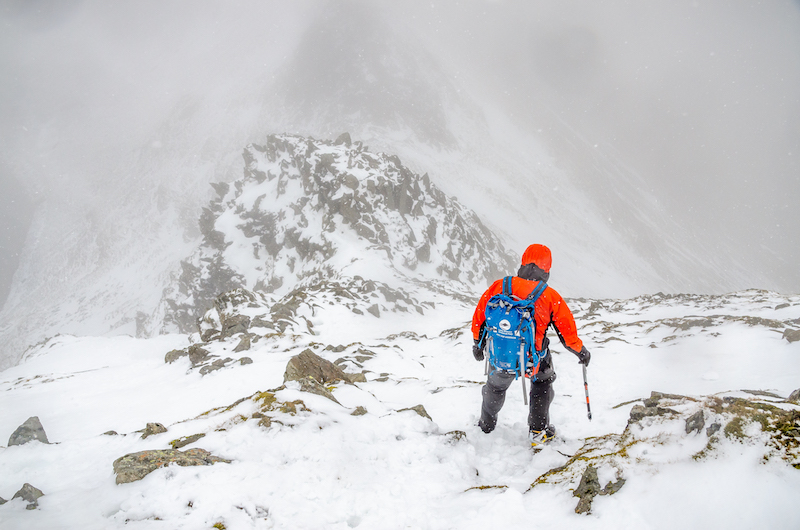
{"type": "Point", "coordinates": [30, 430]}
{"type": "Point", "coordinates": [186, 440]}
{"type": "Point", "coordinates": [30, 495]}
{"type": "Point", "coordinates": [587, 490]}
{"type": "Point", "coordinates": [309, 364]}
{"type": "Point", "coordinates": [136, 466]}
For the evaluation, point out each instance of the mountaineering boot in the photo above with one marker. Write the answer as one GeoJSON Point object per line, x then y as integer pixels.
{"type": "Point", "coordinates": [539, 438]}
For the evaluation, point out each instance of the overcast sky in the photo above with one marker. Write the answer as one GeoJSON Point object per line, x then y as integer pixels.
{"type": "Point", "coordinates": [701, 98]}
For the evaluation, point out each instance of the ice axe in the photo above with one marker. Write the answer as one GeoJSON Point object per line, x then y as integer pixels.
{"type": "Point", "coordinates": [586, 389]}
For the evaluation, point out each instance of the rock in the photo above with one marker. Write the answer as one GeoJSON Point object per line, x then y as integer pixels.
{"type": "Point", "coordinates": [2, 501]}
{"type": "Point", "coordinates": [234, 324]}
{"type": "Point", "coordinates": [245, 360]}
{"type": "Point", "coordinates": [713, 429]}
{"type": "Point", "coordinates": [343, 138]}
{"type": "Point", "coordinates": [216, 365]}
{"type": "Point", "coordinates": [794, 397]}
{"type": "Point", "coordinates": [110, 433]}
{"type": "Point", "coordinates": [695, 422]}
{"type": "Point", "coordinates": [613, 487]}
{"type": "Point", "coordinates": [356, 378]}
{"type": "Point", "coordinates": [30, 430]}
{"type": "Point", "coordinates": [29, 494]}
{"type": "Point", "coordinates": [153, 428]}
{"type": "Point", "coordinates": [136, 466]}
{"type": "Point", "coordinates": [638, 412]}
{"type": "Point", "coordinates": [360, 411]}
{"type": "Point", "coordinates": [456, 436]}
{"type": "Point", "coordinates": [792, 335]}
{"type": "Point", "coordinates": [308, 364]}
{"type": "Point", "coordinates": [419, 409]}
{"type": "Point", "coordinates": [374, 310]}
{"type": "Point", "coordinates": [243, 345]}
{"type": "Point", "coordinates": [197, 354]}
{"type": "Point", "coordinates": [588, 488]}
{"type": "Point", "coordinates": [186, 440]}
{"type": "Point", "coordinates": [309, 384]}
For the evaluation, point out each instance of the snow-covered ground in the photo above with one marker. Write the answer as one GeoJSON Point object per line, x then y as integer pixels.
{"type": "Point", "coordinates": [321, 467]}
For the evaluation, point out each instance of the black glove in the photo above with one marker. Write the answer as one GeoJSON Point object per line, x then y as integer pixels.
{"type": "Point", "coordinates": [477, 350]}
{"type": "Point", "coordinates": [584, 356]}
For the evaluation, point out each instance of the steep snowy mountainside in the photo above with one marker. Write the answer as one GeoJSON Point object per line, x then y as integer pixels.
{"type": "Point", "coordinates": [309, 210]}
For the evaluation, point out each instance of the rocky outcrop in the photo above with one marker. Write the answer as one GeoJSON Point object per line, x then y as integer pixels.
{"type": "Point", "coordinates": [669, 419]}
{"type": "Point", "coordinates": [136, 466]}
{"type": "Point", "coordinates": [30, 430]}
{"type": "Point", "coordinates": [303, 201]}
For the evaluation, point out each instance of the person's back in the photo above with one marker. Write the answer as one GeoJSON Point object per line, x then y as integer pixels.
{"type": "Point", "coordinates": [550, 310]}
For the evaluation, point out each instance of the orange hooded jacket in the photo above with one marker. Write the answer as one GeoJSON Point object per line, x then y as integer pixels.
{"type": "Point", "coordinates": [550, 308]}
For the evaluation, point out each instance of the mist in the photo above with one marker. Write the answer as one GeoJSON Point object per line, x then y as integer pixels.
{"type": "Point", "coordinates": [698, 102]}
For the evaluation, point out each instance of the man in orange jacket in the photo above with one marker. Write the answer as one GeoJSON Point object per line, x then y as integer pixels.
{"type": "Point", "coordinates": [550, 310]}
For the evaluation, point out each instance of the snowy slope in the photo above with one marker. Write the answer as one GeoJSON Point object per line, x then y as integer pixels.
{"type": "Point", "coordinates": [316, 465]}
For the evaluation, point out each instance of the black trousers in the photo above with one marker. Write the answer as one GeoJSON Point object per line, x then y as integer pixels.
{"type": "Point", "coordinates": [494, 395]}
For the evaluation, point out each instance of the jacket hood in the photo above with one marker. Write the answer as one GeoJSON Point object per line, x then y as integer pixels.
{"type": "Point", "coordinates": [538, 255]}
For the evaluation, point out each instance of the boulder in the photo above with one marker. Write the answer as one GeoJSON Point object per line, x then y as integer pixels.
{"type": "Point", "coordinates": [794, 397]}
{"type": "Point", "coordinates": [30, 495]}
{"type": "Point", "coordinates": [30, 430]}
{"type": "Point", "coordinates": [308, 364]}
{"type": "Point", "coordinates": [136, 466]}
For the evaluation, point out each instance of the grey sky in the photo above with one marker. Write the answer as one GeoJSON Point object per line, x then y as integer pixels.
{"type": "Point", "coordinates": [702, 99]}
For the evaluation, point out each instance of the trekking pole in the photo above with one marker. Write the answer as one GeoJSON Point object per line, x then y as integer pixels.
{"type": "Point", "coordinates": [522, 369]}
{"type": "Point", "coordinates": [586, 388]}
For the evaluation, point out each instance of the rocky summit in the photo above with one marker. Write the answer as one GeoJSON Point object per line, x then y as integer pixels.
{"type": "Point", "coordinates": [310, 211]}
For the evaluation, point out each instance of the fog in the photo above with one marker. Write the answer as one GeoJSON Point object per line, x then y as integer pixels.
{"type": "Point", "coordinates": [699, 100]}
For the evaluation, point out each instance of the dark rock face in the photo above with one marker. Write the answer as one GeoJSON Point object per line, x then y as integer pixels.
{"type": "Point", "coordinates": [30, 430]}
{"type": "Point", "coordinates": [136, 466]}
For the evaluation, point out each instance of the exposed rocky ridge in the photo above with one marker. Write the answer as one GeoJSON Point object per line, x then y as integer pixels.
{"type": "Point", "coordinates": [698, 426]}
{"type": "Point", "coordinates": [307, 209]}
{"type": "Point", "coordinates": [659, 319]}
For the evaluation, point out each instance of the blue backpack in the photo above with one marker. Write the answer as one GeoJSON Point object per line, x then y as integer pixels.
{"type": "Point", "coordinates": [510, 331]}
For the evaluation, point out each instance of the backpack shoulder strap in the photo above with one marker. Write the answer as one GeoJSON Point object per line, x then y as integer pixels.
{"type": "Point", "coordinates": [507, 285]}
{"type": "Point", "coordinates": [537, 292]}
